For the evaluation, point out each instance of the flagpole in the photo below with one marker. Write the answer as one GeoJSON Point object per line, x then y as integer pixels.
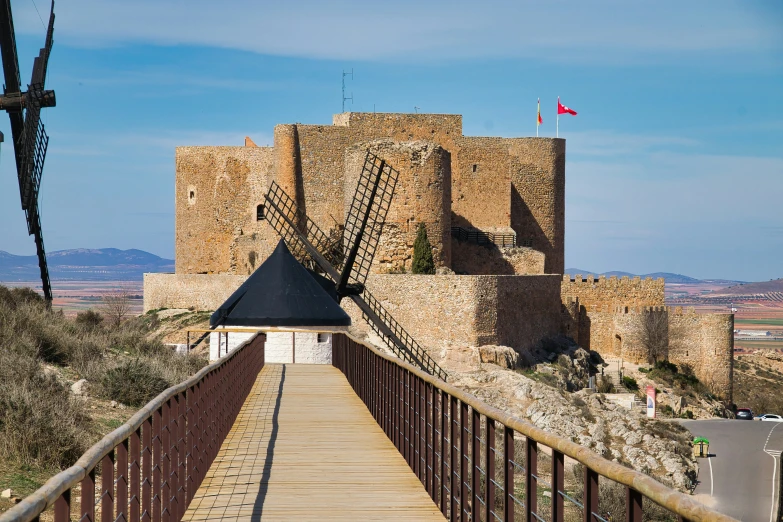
{"type": "Point", "coordinates": [557, 125]}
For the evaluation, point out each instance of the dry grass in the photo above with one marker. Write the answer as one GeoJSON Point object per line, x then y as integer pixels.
{"type": "Point", "coordinates": [43, 426]}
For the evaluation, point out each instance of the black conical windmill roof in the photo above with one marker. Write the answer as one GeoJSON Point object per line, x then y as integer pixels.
{"type": "Point", "coordinates": [281, 292]}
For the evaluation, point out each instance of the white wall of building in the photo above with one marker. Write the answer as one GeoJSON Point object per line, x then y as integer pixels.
{"type": "Point", "coordinates": [280, 347]}
{"type": "Point", "coordinates": [235, 339]}
{"type": "Point", "coordinates": [311, 347]}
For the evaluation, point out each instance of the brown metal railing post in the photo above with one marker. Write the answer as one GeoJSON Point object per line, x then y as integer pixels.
{"type": "Point", "coordinates": [489, 466]}
{"type": "Point", "coordinates": [190, 444]}
{"type": "Point", "coordinates": [400, 411]}
{"type": "Point", "coordinates": [454, 460]}
{"type": "Point", "coordinates": [429, 443]}
{"type": "Point", "coordinates": [444, 450]}
{"type": "Point", "coordinates": [182, 474]}
{"type": "Point", "coordinates": [633, 506]}
{"type": "Point", "coordinates": [416, 426]}
{"type": "Point", "coordinates": [422, 420]}
{"type": "Point", "coordinates": [62, 507]}
{"type": "Point", "coordinates": [464, 468]}
{"type": "Point", "coordinates": [165, 463]}
{"type": "Point", "coordinates": [121, 504]}
{"type": "Point", "coordinates": [591, 494]}
{"type": "Point", "coordinates": [508, 474]}
{"type": "Point", "coordinates": [411, 421]}
{"type": "Point", "coordinates": [107, 488]}
{"type": "Point", "coordinates": [558, 485]}
{"type": "Point", "coordinates": [134, 510]}
{"type": "Point", "coordinates": [174, 453]}
{"type": "Point", "coordinates": [475, 456]}
{"type": "Point", "coordinates": [157, 428]}
{"type": "Point", "coordinates": [531, 480]}
{"type": "Point", "coordinates": [88, 497]}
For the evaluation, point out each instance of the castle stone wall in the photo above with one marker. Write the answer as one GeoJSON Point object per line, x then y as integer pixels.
{"type": "Point", "coordinates": [217, 190]}
{"type": "Point", "coordinates": [444, 311]}
{"type": "Point", "coordinates": [705, 342]}
{"type": "Point", "coordinates": [602, 292]}
{"type": "Point", "coordinates": [481, 177]}
{"type": "Point", "coordinates": [197, 291]}
{"type": "Point", "coordinates": [422, 195]}
{"type": "Point", "coordinates": [473, 259]}
{"type": "Point", "coordinates": [538, 196]}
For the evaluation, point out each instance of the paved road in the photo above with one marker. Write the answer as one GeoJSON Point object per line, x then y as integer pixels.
{"type": "Point", "coordinates": [744, 466]}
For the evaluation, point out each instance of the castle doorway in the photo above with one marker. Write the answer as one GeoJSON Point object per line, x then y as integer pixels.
{"type": "Point", "coordinates": [618, 345]}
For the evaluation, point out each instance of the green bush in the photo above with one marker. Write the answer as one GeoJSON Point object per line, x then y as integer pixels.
{"type": "Point", "coordinates": [89, 319]}
{"type": "Point", "coordinates": [666, 366]}
{"type": "Point", "coordinates": [423, 262]}
{"type": "Point", "coordinates": [134, 383]}
{"type": "Point", "coordinates": [630, 383]}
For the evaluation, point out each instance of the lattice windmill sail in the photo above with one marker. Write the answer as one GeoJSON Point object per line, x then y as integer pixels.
{"type": "Point", "coordinates": [29, 135]}
{"type": "Point", "coordinates": [347, 262]}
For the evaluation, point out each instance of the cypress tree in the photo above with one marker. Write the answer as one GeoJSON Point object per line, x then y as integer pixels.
{"type": "Point", "coordinates": [422, 253]}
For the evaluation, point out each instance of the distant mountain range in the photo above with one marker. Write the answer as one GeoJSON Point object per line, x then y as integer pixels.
{"type": "Point", "coordinates": [104, 264]}
{"type": "Point", "coordinates": [667, 276]}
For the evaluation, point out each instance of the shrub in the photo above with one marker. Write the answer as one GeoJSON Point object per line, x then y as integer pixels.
{"type": "Point", "coordinates": [605, 385]}
{"type": "Point", "coordinates": [666, 366]}
{"type": "Point", "coordinates": [132, 382]}
{"type": "Point", "coordinates": [422, 253]}
{"type": "Point", "coordinates": [630, 383]}
{"type": "Point", "coordinates": [40, 424]}
{"type": "Point", "coordinates": [89, 319]}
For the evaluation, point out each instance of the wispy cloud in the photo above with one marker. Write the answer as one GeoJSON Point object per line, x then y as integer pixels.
{"type": "Point", "coordinates": [606, 31]}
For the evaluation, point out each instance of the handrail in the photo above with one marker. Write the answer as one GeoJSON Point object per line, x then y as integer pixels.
{"type": "Point", "coordinates": [377, 395]}
{"type": "Point", "coordinates": [202, 390]}
{"type": "Point", "coordinates": [481, 237]}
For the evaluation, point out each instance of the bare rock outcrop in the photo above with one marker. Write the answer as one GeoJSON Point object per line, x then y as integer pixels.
{"type": "Point", "coordinates": [585, 418]}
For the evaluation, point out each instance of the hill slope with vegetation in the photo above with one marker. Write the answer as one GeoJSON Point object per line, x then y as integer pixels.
{"type": "Point", "coordinates": [65, 383]}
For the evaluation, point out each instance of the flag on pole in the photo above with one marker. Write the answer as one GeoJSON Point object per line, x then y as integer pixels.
{"type": "Point", "coordinates": [562, 109]}
{"type": "Point", "coordinates": [540, 120]}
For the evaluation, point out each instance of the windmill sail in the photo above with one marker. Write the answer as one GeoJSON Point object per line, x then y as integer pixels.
{"type": "Point", "coordinates": [30, 139]}
{"type": "Point", "coordinates": [311, 246]}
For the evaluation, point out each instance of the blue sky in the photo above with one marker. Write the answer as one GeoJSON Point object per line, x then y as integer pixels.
{"type": "Point", "coordinates": [674, 163]}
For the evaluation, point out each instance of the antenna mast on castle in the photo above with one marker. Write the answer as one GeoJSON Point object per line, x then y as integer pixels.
{"type": "Point", "coordinates": [344, 98]}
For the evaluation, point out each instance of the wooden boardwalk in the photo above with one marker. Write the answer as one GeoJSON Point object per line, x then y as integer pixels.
{"type": "Point", "coordinates": [304, 447]}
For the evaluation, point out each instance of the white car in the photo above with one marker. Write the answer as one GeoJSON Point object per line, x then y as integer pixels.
{"type": "Point", "coordinates": [770, 417]}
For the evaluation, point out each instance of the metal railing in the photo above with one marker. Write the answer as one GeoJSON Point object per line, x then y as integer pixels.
{"type": "Point", "coordinates": [151, 466]}
{"type": "Point", "coordinates": [480, 237]}
{"type": "Point", "coordinates": [479, 463]}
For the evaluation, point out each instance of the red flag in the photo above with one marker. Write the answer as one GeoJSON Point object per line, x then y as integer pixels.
{"type": "Point", "coordinates": [562, 109]}
{"type": "Point", "coordinates": [540, 120]}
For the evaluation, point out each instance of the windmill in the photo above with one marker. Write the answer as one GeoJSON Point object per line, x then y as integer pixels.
{"type": "Point", "coordinates": [347, 261]}
{"type": "Point", "coordinates": [29, 136]}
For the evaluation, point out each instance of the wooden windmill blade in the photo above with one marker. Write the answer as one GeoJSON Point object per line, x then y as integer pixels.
{"type": "Point", "coordinates": [298, 230]}
{"type": "Point", "coordinates": [366, 217]}
{"type": "Point", "coordinates": [364, 221]}
{"type": "Point", "coordinates": [30, 139]}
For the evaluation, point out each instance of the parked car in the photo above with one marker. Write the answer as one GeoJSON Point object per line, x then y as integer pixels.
{"type": "Point", "coordinates": [770, 417]}
{"type": "Point", "coordinates": [744, 414]}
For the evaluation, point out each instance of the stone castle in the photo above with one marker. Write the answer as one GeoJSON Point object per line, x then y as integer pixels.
{"type": "Point", "coordinates": [511, 293]}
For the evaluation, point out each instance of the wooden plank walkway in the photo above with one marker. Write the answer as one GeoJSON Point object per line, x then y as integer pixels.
{"type": "Point", "coordinates": [304, 447]}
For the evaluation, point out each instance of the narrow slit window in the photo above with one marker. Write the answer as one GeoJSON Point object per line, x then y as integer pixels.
{"type": "Point", "coordinates": [260, 213]}
{"type": "Point", "coordinates": [475, 167]}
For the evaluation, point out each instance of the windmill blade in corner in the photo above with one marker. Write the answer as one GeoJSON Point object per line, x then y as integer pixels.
{"type": "Point", "coordinates": [394, 335]}
{"type": "Point", "coordinates": [366, 217]}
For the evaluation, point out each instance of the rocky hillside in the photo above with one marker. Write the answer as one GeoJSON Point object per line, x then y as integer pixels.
{"type": "Point", "coordinates": [539, 393]}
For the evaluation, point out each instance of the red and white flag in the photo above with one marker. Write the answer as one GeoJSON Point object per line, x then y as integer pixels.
{"type": "Point", "coordinates": [562, 109]}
